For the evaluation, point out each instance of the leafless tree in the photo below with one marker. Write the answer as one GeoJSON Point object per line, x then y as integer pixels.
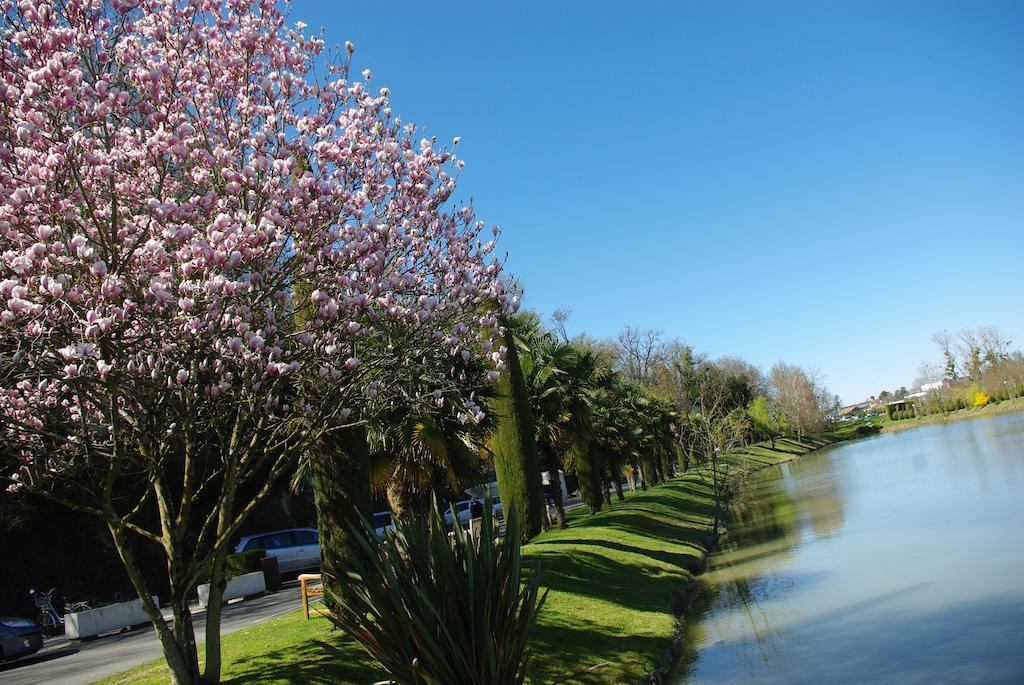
{"type": "Point", "coordinates": [559, 317]}
{"type": "Point", "coordinates": [640, 351]}
{"type": "Point", "coordinates": [971, 351]}
{"type": "Point", "coordinates": [928, 373]}
{"type": "Point", "coordinates": [995, 347]}
{"type": "Point", "coordinates": [801, 397]}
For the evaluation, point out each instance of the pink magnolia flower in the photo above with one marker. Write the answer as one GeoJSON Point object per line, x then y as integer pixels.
{"type": "Point", "coordinates": [103, 368]}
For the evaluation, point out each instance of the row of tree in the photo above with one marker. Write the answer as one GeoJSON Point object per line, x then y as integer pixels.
{"type": "Point", "coordinates": [641, 406]}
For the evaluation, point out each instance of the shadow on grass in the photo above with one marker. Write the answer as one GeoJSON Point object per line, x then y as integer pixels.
{"type": "Point", "coordinates": [692, 562]}
{"type": "Point", "coordinates": [557, 648]}
{"type": "Point", "coordinates": [647, 525]}
{"type": "Point", "coordinates": [592, 574]}
{"type": "Point", "coordinates": [307, 662]}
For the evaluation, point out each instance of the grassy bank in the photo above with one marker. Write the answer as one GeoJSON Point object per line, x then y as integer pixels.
{"type": "Point", "coordinates": [617, 580]}
{"type": "Point", "coordinates": [1004, 407]}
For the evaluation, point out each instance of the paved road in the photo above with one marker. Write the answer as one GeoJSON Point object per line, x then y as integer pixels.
{"type": "Point", "coordinates": [79, 663]}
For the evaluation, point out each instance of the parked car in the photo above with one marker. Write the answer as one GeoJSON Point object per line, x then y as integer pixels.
{"type": "Point", "coordinates": [382, 524]}
{"type": "Point", "coordinates": [296, 549]}
{"type": "Point", "coordinates": [19, 637]}
{"type": "Point", "coordinates": [463, 512]}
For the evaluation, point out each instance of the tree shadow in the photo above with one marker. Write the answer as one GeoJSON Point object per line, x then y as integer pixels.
{"type": "Point", "coordinates": [596, 575]}
{"type": "Point", "coordinates": [692, 562]}
{"type": "Point", "coordinates": [643, 524]}
{"type": "Point", "coordinates": [555, 646]}
{"type": "Point", "coordinates": [308, 662]}
{"type": "Point", "coordinates": [37, 658]}
{"type": "Point", "coordinates": [670, 508]}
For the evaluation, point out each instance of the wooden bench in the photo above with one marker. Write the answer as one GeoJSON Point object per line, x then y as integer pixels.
{"type": "Point", "coordinates": [312, 587]}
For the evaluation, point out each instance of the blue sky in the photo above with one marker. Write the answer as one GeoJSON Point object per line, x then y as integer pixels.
{"type": "Point", "coordinates": [826, 183]}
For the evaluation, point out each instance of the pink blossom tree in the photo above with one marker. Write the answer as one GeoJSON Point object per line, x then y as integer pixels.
{"type": "Point", "coordinates": [178, 182]}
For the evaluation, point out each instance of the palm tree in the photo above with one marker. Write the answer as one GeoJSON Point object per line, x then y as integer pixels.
{"type": "Point", "coordinates": [562, 378]}
{"type": "Point", "coordinates": [544, 369]}
{"type": "Point", "coordinates": [612, 430]}
{"type": "Point", "coordinates": [415, 455]}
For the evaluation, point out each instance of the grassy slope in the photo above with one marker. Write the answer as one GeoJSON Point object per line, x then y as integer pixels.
{"type": "Point", "coordinates": [614, 578]}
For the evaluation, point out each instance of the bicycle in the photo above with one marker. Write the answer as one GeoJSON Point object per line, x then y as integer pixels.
{"type": "Point", "coordinates": [50, 621]}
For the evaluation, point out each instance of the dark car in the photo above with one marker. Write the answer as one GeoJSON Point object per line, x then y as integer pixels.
{"type": "Point", "coordinates": [19, 637]}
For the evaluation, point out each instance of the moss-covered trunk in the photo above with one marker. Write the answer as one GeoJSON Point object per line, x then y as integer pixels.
{"type": "Point", "coordinates": [515, 451]}
{"type": "Point", "coordinates": [590, 471]}
{"type": "Point", "coordinates": [649, 469]}
{"type": "Point", "coordinates": [617, 483]}
{"type": "Point", "coordinates": [667, 457]}
{"type": "Point", "coordinates": [341, 487]}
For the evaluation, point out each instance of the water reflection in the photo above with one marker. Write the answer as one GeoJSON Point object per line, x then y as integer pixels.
{"type": "Point", "coordinates": [893, 559]}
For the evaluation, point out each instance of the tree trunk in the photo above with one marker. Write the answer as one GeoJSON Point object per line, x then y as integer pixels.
{"type": "Point", "coordinates": [182, 627]}
{"type": "Point", "coordinates": [515, 452]}
{"type": "Point", "coordinates": [400, 500]}
{"type": "Point", "coordinates": [556, 494]}
{"type": "Point", "coordinates": [638, 471]}
{"type": "Point", "coordinates": [183, 667]}
{"type": "Point", "coordinates": [408, 504]}
{"type": "Point", "coordinates": [340, 472]}
{"type": "Point", "coordinates": [649, 471]}
{"type": "Point", "coordinates": [551, 466]}
{"type": "Point", "coordinates": [214, 609]}
{"type": "Point", "coordinates": [606, 491]}
{"type": "Point", "coordinates": [666, 464]}
{"type": "Point", "coordinates": [617, 482]}
{"type": "Point", "coordinates": [659, 468]}
{"type": "Point", "coordinates": [589, 471]}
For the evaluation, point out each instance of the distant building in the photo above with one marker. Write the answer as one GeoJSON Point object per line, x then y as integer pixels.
{"type": "Point", "coordinates": [859, 409]}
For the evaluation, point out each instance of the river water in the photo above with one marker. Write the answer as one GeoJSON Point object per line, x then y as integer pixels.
{"type": "Point", "coordinates": [897, 558]}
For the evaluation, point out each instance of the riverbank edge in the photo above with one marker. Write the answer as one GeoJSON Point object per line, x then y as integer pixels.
{"type": "Point", "coordinates": [685, 594]}
{"type": "Point", "coordinates": [997, 409]}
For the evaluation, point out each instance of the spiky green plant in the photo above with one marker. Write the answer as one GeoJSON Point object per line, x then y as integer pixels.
{"type": "Point", "coordinates": [440, 610]}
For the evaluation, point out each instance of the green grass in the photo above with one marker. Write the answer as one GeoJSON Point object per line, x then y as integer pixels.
{"type": "Point", "coordinates": [280, 650]}
{"type": "Point", "coordinates": [617, 580]}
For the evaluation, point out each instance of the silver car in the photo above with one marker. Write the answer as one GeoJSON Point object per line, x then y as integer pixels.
{"type": "Point", "coordinates": [462, 510]}
{"type": "Point", "coordinates": [18, 637]}
{"type": "Point", "coordinates": [296, 549]}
